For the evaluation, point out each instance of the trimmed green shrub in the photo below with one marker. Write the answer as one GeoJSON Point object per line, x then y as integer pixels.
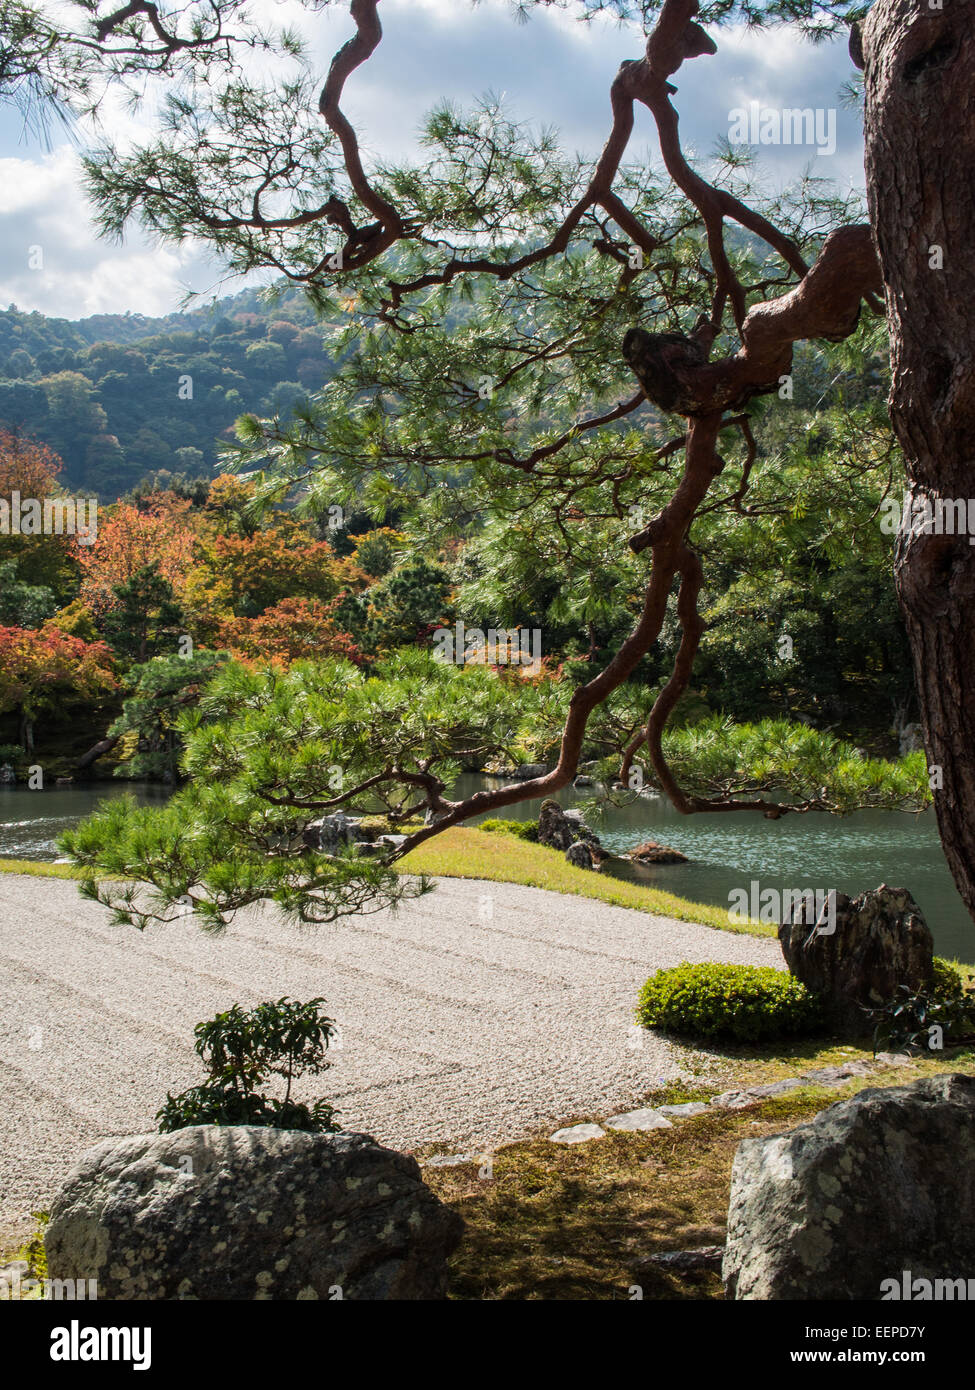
{"type": "Point", "coordinates": [524, 829]}
{"type": "Point", "coordinates": [747, 1003]}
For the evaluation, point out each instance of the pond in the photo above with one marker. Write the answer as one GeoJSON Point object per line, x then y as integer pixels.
{"type": "Point", "coordinates": [31, 821]}
{"type": "Point", "coordinates": [727, 852]}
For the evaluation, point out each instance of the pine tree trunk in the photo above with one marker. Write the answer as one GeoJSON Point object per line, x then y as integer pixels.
{"type": "Point", "coordinates": [919, 64]}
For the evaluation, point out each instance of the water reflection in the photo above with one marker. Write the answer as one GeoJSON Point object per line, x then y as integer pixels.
{"type": "Point", "coordinates": [31, 821]}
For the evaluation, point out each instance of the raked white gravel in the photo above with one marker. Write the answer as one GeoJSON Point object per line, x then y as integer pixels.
{"type": "Point", "coordinates": [478, 1014]}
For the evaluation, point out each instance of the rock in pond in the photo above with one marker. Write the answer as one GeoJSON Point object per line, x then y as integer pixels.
{"type": "Point", "coordinates": [652, 853]}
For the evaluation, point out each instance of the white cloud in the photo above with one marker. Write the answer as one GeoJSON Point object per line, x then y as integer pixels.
{"type": "Point", "coordinates": [51, 258]}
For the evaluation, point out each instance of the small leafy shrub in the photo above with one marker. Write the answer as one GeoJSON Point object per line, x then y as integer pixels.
{"type": "Point", "coordinates": [524, 829]}
{"type": "Point", "coordinates": [747, 1003]}
{"type": "Point", "coordinates": [242, 1050]}
{"type": "Point", "coordinates": [930, 1018]}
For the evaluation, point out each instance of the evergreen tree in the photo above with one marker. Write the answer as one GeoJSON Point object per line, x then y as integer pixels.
{"type": "Point", "coordinates": [145, 619]}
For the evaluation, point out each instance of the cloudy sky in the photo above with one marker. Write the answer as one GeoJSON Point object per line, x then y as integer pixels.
{"type": "Point", "coordinates": [552, 70]}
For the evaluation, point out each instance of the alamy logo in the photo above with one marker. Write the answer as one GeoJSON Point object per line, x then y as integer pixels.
{"type": "Point", "coordinates": [502, 646]}
{"type": "Point", "coordinates": [14, 1288]}
{"type": "Point", "coordinates": [54, 516]}
{"type": "Point", "coordinates": [77, 1343]}
{"type": "Point", "coordinates": [816, 907]}
{"type": "Point", "coordinates": [772, 125]}
{"type": "Point", "coordinates": [912, 1290]}
{"type": "Point", "coordinates": [930, 516]}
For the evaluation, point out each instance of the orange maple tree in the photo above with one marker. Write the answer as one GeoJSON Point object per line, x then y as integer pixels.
{"type": "Point", "coordinates": [291, 630]}
{"type": "Point", "coordinates": [26, 467]}
{"type": "Point", "coordinates": [242, 575]}
{"type": "Point", "coordinates": [160, 534]}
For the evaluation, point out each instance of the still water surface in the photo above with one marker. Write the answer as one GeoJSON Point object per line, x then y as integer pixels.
{"type": "Point", "coordinates": [848, 853]}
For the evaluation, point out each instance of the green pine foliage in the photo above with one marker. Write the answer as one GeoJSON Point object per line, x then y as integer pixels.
{"type": "Point", "coordinates": [459, 406]}
{"type": "Point", "coordinates": [812, 769]}
{"type": "Point", "coordinates": [161, 689]}
{"type": "Point", "coordinates": [269, 751]}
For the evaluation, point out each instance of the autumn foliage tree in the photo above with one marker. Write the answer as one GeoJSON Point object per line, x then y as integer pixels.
{"type": "Point", "coordinates": [242, 575]}
{"type": "Point", "coordinates": [30, 469]}
{"type": "Point", "coordinates": [131, 539]}
{"type": "Point", "coordinates": [43, 671]}
{"type": "Point", "coordinates": [293, 629]}
{"type": "Point", "coordinates": [26, 467]}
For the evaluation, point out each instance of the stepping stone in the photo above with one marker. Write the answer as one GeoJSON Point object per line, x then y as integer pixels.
{"type": "Point", "coordinates": [733, 1100]}
{"type": "Point", "coordinates": [449, 1160]}
{"type": "Point", "coordinates": [893, 1059]}
{"type": "Point", "coordinates": [836, 1076]}
{"type": "Point", "coordinates": [577, 1134]}
{"type": "Point", "coordinates": [638, 1119]}
{"type": "Point", "coordinates": [776, 1088]}
{"type": "Point", "coordinates": [684, 1110]}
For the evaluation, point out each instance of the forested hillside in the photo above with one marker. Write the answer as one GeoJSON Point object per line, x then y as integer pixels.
{"type": "Point", "coordinates": [801, 619]}
{"type": "Point", "coordinates": [119, 396]}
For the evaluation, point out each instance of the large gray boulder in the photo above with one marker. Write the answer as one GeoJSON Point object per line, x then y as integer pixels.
{"type": "Point", "coordinates": [333, 833]}
{"type": "Point", "coordinates": [872, 1187]}
{"type": "Point", "coordinates": [527, 772]}
{"type": "Point", "coordinates": [857, 955]}
{"type": "Point", "coordinates": [580, 855]}
{"type": "Point", "coordinates": [566, 830]}
{"type": "Point", "coordinates": [555, 828]}
{"type": "Point", "coordinates": [242, 1212]}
